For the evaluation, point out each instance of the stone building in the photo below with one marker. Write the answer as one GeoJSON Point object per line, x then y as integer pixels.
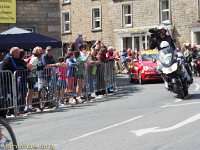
{"type": "Point", "coordinates": [124, 23]}
{"type": "Point", "coordinates": [40, 16]}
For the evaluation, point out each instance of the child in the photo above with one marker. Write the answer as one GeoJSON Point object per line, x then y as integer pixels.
{"type": "Point", "coordinates": [62, 84]}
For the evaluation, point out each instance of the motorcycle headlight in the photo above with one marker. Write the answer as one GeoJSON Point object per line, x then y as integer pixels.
{"type": "Point", "coordinates": [166, 59]}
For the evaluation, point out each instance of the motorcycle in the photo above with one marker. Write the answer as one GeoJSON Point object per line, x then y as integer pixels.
{"type": "Point", "coordinates": [194, 66]}
{"type": "Point", "coordinates": [173, 71]}
{"type": "Point", "coordinates": [198, 65]}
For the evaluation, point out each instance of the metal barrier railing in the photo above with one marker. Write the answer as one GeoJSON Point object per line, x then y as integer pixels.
{"type": "Point", "coordinates": [49, 86]}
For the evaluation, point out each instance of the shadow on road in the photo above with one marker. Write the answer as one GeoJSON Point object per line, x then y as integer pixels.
{"type": "Point", "coordinates": [193, 97]}
{"type": "Point", "coordinates": [124, 89]}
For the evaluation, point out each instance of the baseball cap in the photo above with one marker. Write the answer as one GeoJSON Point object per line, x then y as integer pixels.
{"type": "Point", "coordinates": [48, 48]}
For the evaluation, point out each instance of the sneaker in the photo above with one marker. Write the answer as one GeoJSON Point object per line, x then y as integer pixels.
{"type": "Point", "coordinates": [3, 144]}
{"type": "Point", "coordinates": [83, 97]}
{"type": "Point", "coordinates": [61, 105]}
{"type": "Point", "coordinates": [78, 100]}
{"type": "Point", "coordinates": [72, 101]}
{"type": "Point", "coordinates": [32, 109]}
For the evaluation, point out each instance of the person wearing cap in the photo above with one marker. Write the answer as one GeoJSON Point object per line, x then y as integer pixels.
{"type": "Point", "coordinates": [158, 35]}
{"type": "Point", "coordinates": [46, 70]}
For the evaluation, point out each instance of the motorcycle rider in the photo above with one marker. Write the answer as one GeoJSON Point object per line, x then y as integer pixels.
{"type": "Point", "coordinates": [158, 35]}
{"type": "Point", "coordinates": [158, 40]}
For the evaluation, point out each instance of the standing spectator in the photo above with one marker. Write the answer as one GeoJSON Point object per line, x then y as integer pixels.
{"type": "Point", "coordinates": [97, 46]}
{"type": "Point", "coordinates": [110, 54]}
{"type": "Point", "coordinates": [117, 58]}
{"type": "Point", "coordinates": [45, 72]}
{"type": "Point", "coordinates": [79, 73]}
{"type": "Point", "coordinates": [124, 60]}
{"type": "Point", "coordinates": [36, 54]}
{"type": "Point", "coordinates": [21, 77]}
{"type": "Point", "coordinates": [79, 41]}
{"type": "Point", "coordinates": [12, 62]}
{"type": "Point", "coordinates": [70, 71]}
{"type": "Point", "coordinates": [92, 71]}
{"type": "Point", "coordinates": [61, 83]}
{"type": "Point", "coordinates": [101, 58]}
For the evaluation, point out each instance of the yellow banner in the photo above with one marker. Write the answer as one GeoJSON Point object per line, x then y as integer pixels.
{"type": "Point", "coordinates": [154, 51]}
{"type": "Point", "coordinates": [7, 11]}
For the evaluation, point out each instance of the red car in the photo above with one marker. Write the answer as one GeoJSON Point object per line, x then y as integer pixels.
{"type": "Point", "coordinates": [142, 68]}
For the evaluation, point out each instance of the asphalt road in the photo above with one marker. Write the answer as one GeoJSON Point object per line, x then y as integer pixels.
{"type": "Point", "coordinates": [137, 117]}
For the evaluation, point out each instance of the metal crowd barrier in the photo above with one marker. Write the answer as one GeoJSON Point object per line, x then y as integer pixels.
{"type": "Point", "coordinates": [48, 86]}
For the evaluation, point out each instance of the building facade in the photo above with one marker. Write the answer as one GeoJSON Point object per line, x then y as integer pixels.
{"type": "Point", "coordinates": [124, 23]}
{"type": "Point", "coordinates": [40, 16]}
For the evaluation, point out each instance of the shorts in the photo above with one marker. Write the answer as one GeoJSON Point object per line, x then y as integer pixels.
{"type": "Point", "coordinates": [79, 76]}
{"type": "Point", "coordinates": [62, 84]}
{"type": "Point", "coordinates": [41, 83]}
{"type": "Point", "coordinates": [31, 82]}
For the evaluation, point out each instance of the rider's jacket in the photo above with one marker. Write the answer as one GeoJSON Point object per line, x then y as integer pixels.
{"type": "Point", "coordinates": [155, 40]}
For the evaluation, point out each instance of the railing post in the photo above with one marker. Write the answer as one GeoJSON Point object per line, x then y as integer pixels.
{"type": "Point", "coordinates": [14, 90]}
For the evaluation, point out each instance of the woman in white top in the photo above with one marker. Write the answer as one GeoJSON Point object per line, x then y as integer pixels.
{"type": "Point", "coordinates": [36, 53]}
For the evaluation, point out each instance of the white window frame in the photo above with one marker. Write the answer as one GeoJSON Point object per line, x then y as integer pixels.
{"type": "Point", "coordinates": [198, 10]}
{"type": "Point", "coordinates": [193, 32]}
{"type": "Point", "coordinates": [126, 15]}
{"type": "Point", "coordinates": [31, 29]}
{"type": "Point", "coordinates": [96, 19]}
{"type": "Point", "coordinates": [66, 1]}
{"type": "Point", "coordinates": [64, 22]}
{"type": "Point", "coordinates": [165, 10]}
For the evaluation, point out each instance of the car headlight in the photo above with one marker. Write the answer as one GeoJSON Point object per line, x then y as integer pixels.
{"type": "Point", "coordinates": [147, 68]}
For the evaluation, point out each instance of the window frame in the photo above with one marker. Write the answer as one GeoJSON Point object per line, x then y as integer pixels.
{"type": "Point", "coordinates": [198, 10]}
{"type": "Point", "coordinates": [127, 15]}
{"type": "Point", "coordinates": [64, 22]}
{"type": "Point", "coordinates": [66, 1]}
{"type": "Point", "coordinates": [96, 19]}
{"type": "Point", "coordinates": [165, 10]}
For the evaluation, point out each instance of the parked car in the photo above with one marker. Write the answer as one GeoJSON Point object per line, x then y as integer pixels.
{"type": "Point", "coordinates": [141, 68]}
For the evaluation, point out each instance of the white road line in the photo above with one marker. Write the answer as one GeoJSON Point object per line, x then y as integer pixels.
{"type": "Point", "coordinates": [103, 129]}
{"type": "Point", "coordinates": [141, 132]}
{"type": "Point", "coordinates": [197, 87]}
{"type": "Point", "coordinates": [177, 100]}
{"type": "Point", "coordinates": [176, 105]}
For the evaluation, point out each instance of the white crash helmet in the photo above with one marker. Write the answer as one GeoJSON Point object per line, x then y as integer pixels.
{"type": "Point", "coordinates": [164, 44]}
{"type": "Point", "coordinates": [163, 27]}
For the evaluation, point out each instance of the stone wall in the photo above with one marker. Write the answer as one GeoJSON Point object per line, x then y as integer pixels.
{"type": "Point", "coordinates": [41, 15]}
{"type": "Point", "coordinates": [145, 13]}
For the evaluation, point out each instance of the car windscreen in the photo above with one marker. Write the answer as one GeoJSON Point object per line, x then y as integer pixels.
{"type": "Point", "coordinates": [148, 57]}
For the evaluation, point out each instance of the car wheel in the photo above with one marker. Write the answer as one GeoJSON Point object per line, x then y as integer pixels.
{"type": "Point", "coordinates": [132, 80]}
{"type": "Point", "coordinates": [140, 78]}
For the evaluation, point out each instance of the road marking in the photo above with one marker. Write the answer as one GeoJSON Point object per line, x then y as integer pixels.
{"type": "Point", "coordinates": [177, 100]}
{"type": "Point", "coordinates": [176, 105]}
{"type": "Point", "coordinates": [197, 87]}
{"type": "Point", "coordinates": [103, 129]}
{"type": "Point", "coordinates": [141, 132]}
